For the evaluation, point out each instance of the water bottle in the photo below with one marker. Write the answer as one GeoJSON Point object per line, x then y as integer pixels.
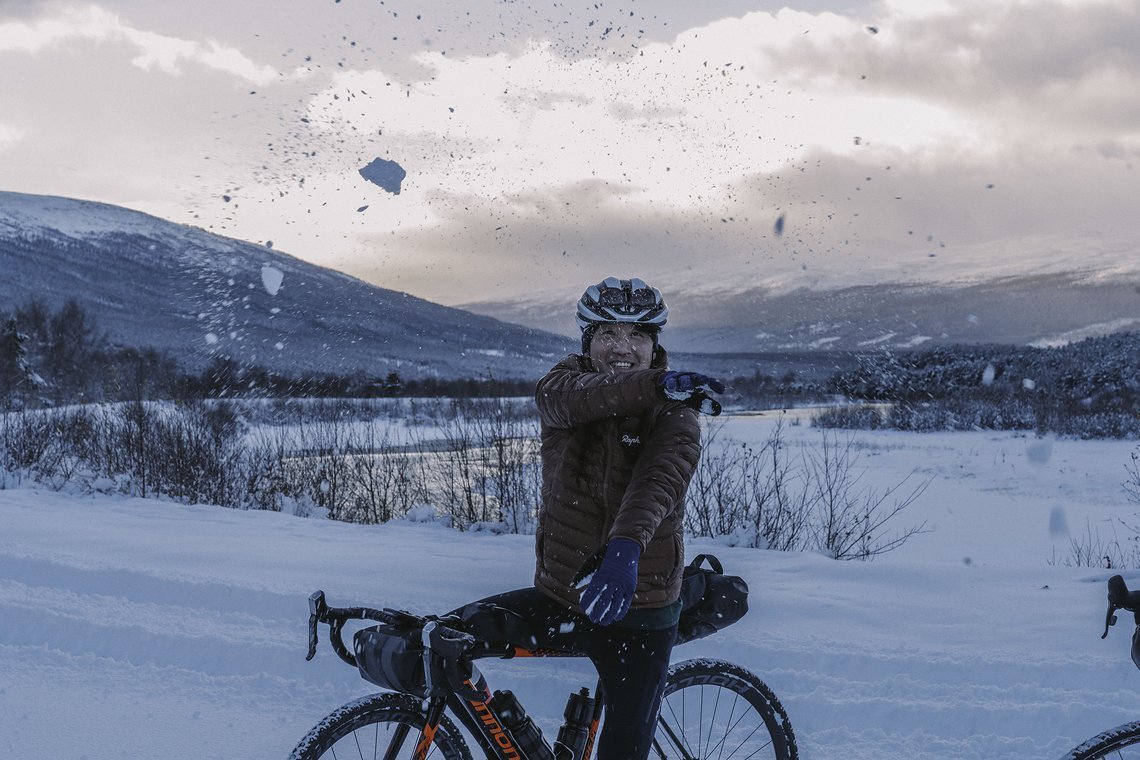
{"type": "Point", "coordinates": [575, 732]}
{"type": "Point", "coordinates": [526, 735]}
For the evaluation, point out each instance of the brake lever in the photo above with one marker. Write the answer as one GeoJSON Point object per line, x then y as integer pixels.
{"type": "Point", "coordinates": [1109, 620]}
{"type": "Point", "coordinates": [1117, 592]}
{"type": "Point", "coordinates": [317, 608]}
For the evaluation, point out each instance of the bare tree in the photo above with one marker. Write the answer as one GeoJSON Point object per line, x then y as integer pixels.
{"type": "Point", "coordinates": [850, 519]}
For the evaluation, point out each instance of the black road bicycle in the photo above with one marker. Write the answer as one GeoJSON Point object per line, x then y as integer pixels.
{"type": "Point", "coordinates": [1124, 740]}
{"type": "Point", "coordinates": [712, 710]}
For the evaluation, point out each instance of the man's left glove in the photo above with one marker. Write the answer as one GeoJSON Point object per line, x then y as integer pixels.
{"type": "Point", "coordinates": [608, 580]}
{"type": "Point", "coordinates": [692, 389]}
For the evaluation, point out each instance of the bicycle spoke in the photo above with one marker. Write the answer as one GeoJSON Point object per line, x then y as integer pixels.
{"type": "Point", "coordinates": [672, 736]}
{"type": "Point", "coordinates": [729, 729]}
{"type": "Point", "coordinates": [717, 711]}
{"type": "Point", "coordinates": [681, 727]}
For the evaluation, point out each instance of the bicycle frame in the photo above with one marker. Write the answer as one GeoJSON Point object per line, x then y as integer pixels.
{"type": "Point", "coordinates": [469, 700]}
{"type": "Point", "coordinates": [480, 719]}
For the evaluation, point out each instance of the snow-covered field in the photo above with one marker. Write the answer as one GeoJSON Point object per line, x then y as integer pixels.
{"type": "Point", "coordinates": [135, 628]}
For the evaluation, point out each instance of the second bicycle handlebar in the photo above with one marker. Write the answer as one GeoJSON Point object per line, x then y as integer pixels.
{"type": "Point", "coordinates": [1120, 598]}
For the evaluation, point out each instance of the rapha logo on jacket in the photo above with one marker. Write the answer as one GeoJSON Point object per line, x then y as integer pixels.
{"type": "Point", "coordinates": [630, 435]}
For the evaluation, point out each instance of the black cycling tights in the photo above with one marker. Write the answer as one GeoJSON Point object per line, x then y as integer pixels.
{"type": "Point", "coordinates": [632, 665]}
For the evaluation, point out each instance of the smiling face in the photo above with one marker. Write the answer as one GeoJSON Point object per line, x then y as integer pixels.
{"type": "Point", "coordinates": [621, 347]}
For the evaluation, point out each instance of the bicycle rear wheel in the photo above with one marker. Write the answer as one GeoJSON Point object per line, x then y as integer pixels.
{"type": "Point", "coordinates": [714, 709]}
{"type": "Point", "coordinates": [1122, 742]}
{"type": "Point", "coordinates": [379, 725]}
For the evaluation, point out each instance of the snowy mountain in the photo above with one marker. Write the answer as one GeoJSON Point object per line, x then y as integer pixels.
{"type": "Point", "coordinates": [992, 293]}
{"type": "Point", "coordinates": [199, 295]}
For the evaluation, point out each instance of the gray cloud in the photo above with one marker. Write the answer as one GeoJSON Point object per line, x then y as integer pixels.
{"type": "Point", "coordinates": [1048, 62]}
{"type": "Point", "coordinates": [844, 214]}
{"type": "Point", "coordinates": [19, 10]}
{"type": "Point", "coordinates": [187, 139]}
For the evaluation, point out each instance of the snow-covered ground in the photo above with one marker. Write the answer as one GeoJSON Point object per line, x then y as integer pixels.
{"type": "Point", "coordinates": [138, 628]}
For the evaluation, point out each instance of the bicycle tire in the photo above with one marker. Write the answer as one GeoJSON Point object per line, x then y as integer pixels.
{"type": "Point", "coordinates": [715, 709]}
{"type": "Point", "coordinates": [1110, 744]}
{"type": "Point", "coordinates": [365, 728]}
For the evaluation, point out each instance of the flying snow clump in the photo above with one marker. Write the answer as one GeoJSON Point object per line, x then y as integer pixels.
{"type": "Point", "coordinates": [271, 278]}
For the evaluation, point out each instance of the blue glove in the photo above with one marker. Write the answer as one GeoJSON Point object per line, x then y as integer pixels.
{"type": "Point", "coordinates": [609, 589]}
{"type": "Point", "coordinates": [682, 386]}
{"type": "Point", "coordinates": [691, 389]}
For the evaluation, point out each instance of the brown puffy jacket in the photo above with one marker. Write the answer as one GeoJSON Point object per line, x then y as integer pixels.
{"type": "Point", "coordinates": [616, 461]}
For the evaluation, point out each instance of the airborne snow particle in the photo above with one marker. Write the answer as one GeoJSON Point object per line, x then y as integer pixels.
{"type": "Point", "coordinates": [1040, 451]}
{"type": "Point", "coordinates": [1058, 525]}
{"type": "Point", "coordinates": [211, 339]}
{"type": "Point", "coordinates": [271, 278]}
{"type": "Point", "coordinates": [386, 174]}
{"type": "Point", "coordinates": [988, 375]}
{"type": "Point", "coordinates": [779, 226]}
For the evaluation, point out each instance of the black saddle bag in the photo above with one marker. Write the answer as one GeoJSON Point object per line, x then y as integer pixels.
{"type": "Point", "coordinates": [710, 600]}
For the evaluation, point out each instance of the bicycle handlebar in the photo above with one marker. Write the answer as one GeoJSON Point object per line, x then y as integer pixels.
{"type": "Point", "coordinates": [336, 617]}
{"type": "Point", "coordinates": [448, 650]}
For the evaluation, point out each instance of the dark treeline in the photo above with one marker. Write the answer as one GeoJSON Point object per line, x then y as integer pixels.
{"type": "Point", "coordinates": [1088, 389]}
{"type": "Point", "coordinates": [49, 358]}
{"type": "Point", "coordinates": [763, 391]}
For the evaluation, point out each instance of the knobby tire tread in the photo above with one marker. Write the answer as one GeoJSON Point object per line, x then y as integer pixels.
{"type": "Point", "coordinates": [373, 709]}
{"type": "Point", "coordinates": [1104, 744]}
{"type": "Point", "coordinates": [726, 675]}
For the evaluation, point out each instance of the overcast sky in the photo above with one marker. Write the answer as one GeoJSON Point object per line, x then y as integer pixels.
{"type": "Point", "coordinates": [549, 144]}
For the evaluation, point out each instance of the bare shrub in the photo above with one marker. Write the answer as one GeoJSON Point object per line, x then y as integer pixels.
{"type": "Point", "coordinates": [770, 499]}
{"type": "Point", "coordinates": [781, 508]}
{"type": "Point", "coordinates": [41, 444]}
{"type": "Point", "coordinates": [716, 502]}
{"type": "Point", "coordinates": [1092, 550]}
{"type": "Point", "coordinates": [488, 471]}
{"type": "Point", "coordinates": [475, 461]}
{"type": "Point", "coordinates": [1132, 482]}
{"type": "Point", "coordinates": [738, 490]}
{"type": "Point", "coordinates": [850, 520]}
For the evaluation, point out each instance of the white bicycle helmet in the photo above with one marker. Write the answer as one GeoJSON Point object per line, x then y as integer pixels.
{"type": "Point", "coordinates": [614, 300]}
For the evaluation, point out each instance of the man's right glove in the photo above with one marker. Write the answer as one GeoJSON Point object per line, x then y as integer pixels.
{"type": "Point", "coordinates": [607, 581]}
{"type": "Point", "coordinates": [691, 389]}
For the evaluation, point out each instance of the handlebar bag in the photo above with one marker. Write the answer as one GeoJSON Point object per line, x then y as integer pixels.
{"type": "Point", "coordinates": [391, 657]}
{"type": "Point", "coordinates": [710, 600]}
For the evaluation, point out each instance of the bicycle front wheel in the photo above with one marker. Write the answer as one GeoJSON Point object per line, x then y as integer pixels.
{"type": "Point", "coordinates": [1122, 742]}
{"type": "Point", "coordinates": [714, 709]}
{"type": "Point", "coordinates": [380, 725]}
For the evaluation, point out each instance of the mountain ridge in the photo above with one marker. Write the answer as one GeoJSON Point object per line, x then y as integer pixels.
{"type": "Point", "coordinates": [198, 295]}
{"type": "Point", "coordinates": [1048, 308]}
